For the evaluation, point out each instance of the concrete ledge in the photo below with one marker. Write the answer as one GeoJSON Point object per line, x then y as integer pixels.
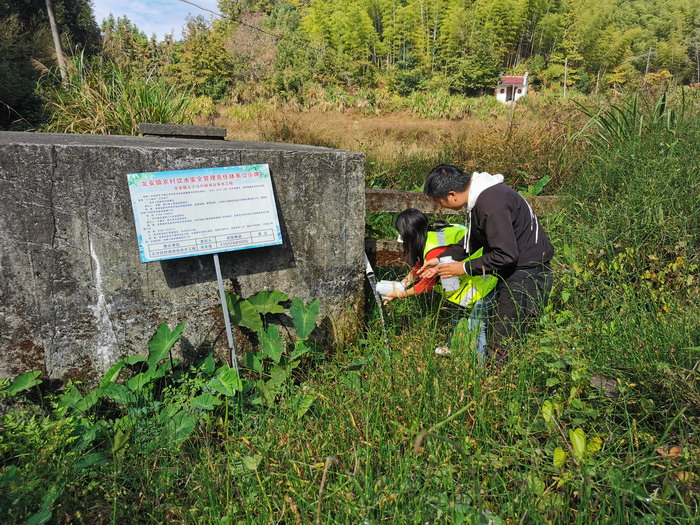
{"type": "Point", "coordinates": [182, 131]}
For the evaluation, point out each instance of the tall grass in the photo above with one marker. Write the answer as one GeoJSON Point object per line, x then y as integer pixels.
{"type": "Point", "coordinates": [409, 438]}
{"type": "Point", "coordinates": [99, 98]}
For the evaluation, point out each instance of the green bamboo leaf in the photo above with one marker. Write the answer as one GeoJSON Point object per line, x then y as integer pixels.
{"type": "Point", "coordinates": [578, 441]}
{"type": "Point", "coordinates": [24, 382]}
{"type": "Point", "coordinates": [268, 302]}
{"type": "Point", "coordinates": [559, 457]}
{"type": "Point", "coordinates": [271, 342]}
{"type": "Point", "coordinates": [304, 317]}
{"type": "Point", "coordinates": [243, 313]}
{"type": "Point", "coordinates": [162, 341]}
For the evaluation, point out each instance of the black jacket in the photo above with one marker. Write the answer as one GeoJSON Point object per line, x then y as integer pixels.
{"type": "Point", "coordinates": [503, 224]}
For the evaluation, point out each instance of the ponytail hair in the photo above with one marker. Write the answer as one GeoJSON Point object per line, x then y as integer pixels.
{"type": "Point", "coordinates": [413, 227]}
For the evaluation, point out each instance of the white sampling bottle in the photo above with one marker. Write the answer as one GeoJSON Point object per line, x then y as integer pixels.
{"type": "Point", "coordinates": [449, 284]}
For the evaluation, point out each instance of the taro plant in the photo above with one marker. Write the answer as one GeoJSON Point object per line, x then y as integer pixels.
{"type": "Point", "coordinates": [150, 407]}
{"type": "Point", "coordinates": [273, 363]}
{"type": "Point", "coordinates": [158, 405]}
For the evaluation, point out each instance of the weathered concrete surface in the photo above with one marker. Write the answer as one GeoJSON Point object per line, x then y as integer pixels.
{"type": "Point", "coordinates": [75, 296]}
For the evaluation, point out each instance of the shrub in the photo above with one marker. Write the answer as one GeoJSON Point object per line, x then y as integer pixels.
{"type": "Point", "coordinates": [100, 98]}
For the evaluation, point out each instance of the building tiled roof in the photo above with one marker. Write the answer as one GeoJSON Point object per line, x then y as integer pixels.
{"type": "Point", "coordinates": [512, 80]}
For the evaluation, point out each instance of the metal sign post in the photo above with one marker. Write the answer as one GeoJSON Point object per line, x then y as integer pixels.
{"type": "Point", "coordinates": [224, 308]}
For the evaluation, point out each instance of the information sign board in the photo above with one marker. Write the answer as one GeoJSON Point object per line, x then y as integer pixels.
{"type": "Point", "coordinates": [203, 211]}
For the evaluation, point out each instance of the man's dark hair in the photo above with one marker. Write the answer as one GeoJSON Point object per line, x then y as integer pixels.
{"type": "Point", "coordinates": [444, 179]}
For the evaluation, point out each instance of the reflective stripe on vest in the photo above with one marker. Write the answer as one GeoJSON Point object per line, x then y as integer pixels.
{"type": "Point", "coordinates": [472, 287]}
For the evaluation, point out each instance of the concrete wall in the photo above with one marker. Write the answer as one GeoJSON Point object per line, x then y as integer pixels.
{"type": "Point", "coordinates": [75, 296]}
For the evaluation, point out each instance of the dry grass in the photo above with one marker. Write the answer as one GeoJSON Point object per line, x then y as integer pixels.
{"type": "Point", "coordinates": [524, 146]}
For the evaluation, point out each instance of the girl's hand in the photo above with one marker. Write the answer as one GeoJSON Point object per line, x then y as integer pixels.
{"type": "Point", "coordinates": [395, 293]}
{"type": "Point", "coordinates": [429, 269]}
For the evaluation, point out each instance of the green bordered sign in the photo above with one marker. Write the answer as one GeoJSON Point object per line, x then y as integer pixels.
{"type": "Point", "coordinates": [204, 211]}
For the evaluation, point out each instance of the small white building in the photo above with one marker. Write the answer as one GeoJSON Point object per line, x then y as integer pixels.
{"type": "Point", "coordinates": [511, 88]}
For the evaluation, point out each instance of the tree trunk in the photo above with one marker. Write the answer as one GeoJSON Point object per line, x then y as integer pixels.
{"type": "Point", "coordinates": [56, 40]}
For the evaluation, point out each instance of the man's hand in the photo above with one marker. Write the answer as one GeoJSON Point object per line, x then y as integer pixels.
{"type": "Point", "coordinates": [429, 269]}
{"type": "Point", "coordinates": [453, 269]}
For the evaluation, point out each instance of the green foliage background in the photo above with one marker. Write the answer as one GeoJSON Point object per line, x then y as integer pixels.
{"type": "Point", "coordinates": [285, 49]}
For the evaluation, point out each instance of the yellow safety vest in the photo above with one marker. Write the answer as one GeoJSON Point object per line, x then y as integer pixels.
{"type": "Point", "coordinates": [472, 287]}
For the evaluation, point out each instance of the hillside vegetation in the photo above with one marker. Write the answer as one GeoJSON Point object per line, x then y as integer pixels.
{"type": "Point", "coordinates": [322, 52]}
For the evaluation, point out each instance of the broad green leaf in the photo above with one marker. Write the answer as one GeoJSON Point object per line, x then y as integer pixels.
{"type": "Point", "coordinates": [559, 457]}
{"type": "Point", "coordinates": [96, 458]}
{"type": "Point", "coordinates": [552, 381]}
{"type": "Point", "coordinates": [121, 438]}
{"type": "Point", "coordinates": [271, 342]}
{"type": "Point", "coordinates": [39, 518]}
{"type": "Point", "coordinates": [231, 380]}
{"type": "Point", "coordinates": [251, 462]}
{"type": "Point", "coordinates": [112, 373]}
{"type": "Point", "coordinates": [24, 382]}
{"type": "Point", "coordinates": [217, 386]}
{"type": "Point", "coordinates": [252, 361]}
{"type": "Point", "coordinates": [226, 383]}
{"type": "Point", "coordinates": [137, 382]}
{"type": "Point", "coordinates": [87, 402]}
{"type": "Point", "coordinates": [117, 393]}
{"type": "Point", "coordinates": [268, 391]}
{"type": "Point", "coordinates": [206, 402]}
{"type": "Point", "coordinates": [162, 341]}
{"type": "Point", "coordinates": [279, 374]}
{"type": "Point", "coordinates": [594, 445]}
{"type": "Point", "coordinates": [268, 302]}
{"type": "Point", "coordinates": [547, 411]}
{"type": "Point", "coordinates": [181, 425]}
{"type": "Point", "coordinates": [302, 404]}
{"type": "Point", "coordinates": [578, 441]}
{"type": "Point", "coordinates": [535, 483]}
{"type": "Point", "coordinates": [207, 365]}
{"type": "Point", "coordinates": [69, 398]}
{"type": "Point", "coordinates": [302, 348]}
{"type": "Point", "coordinates": [357, 364]}
{"type": "Point", "coordinates": [133, 359]}
{"type": "Point", "coordinates": [304, 317]}
{"type": "Point", "coordinates": [242, 313]}
{"type": "Point", "coordinates": [88, 432]}
{"type": "Point", "coordinates": [10, 476]}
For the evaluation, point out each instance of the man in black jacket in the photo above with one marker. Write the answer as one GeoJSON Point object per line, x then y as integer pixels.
{"type": "Point", "coordinates": [516, 248]}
